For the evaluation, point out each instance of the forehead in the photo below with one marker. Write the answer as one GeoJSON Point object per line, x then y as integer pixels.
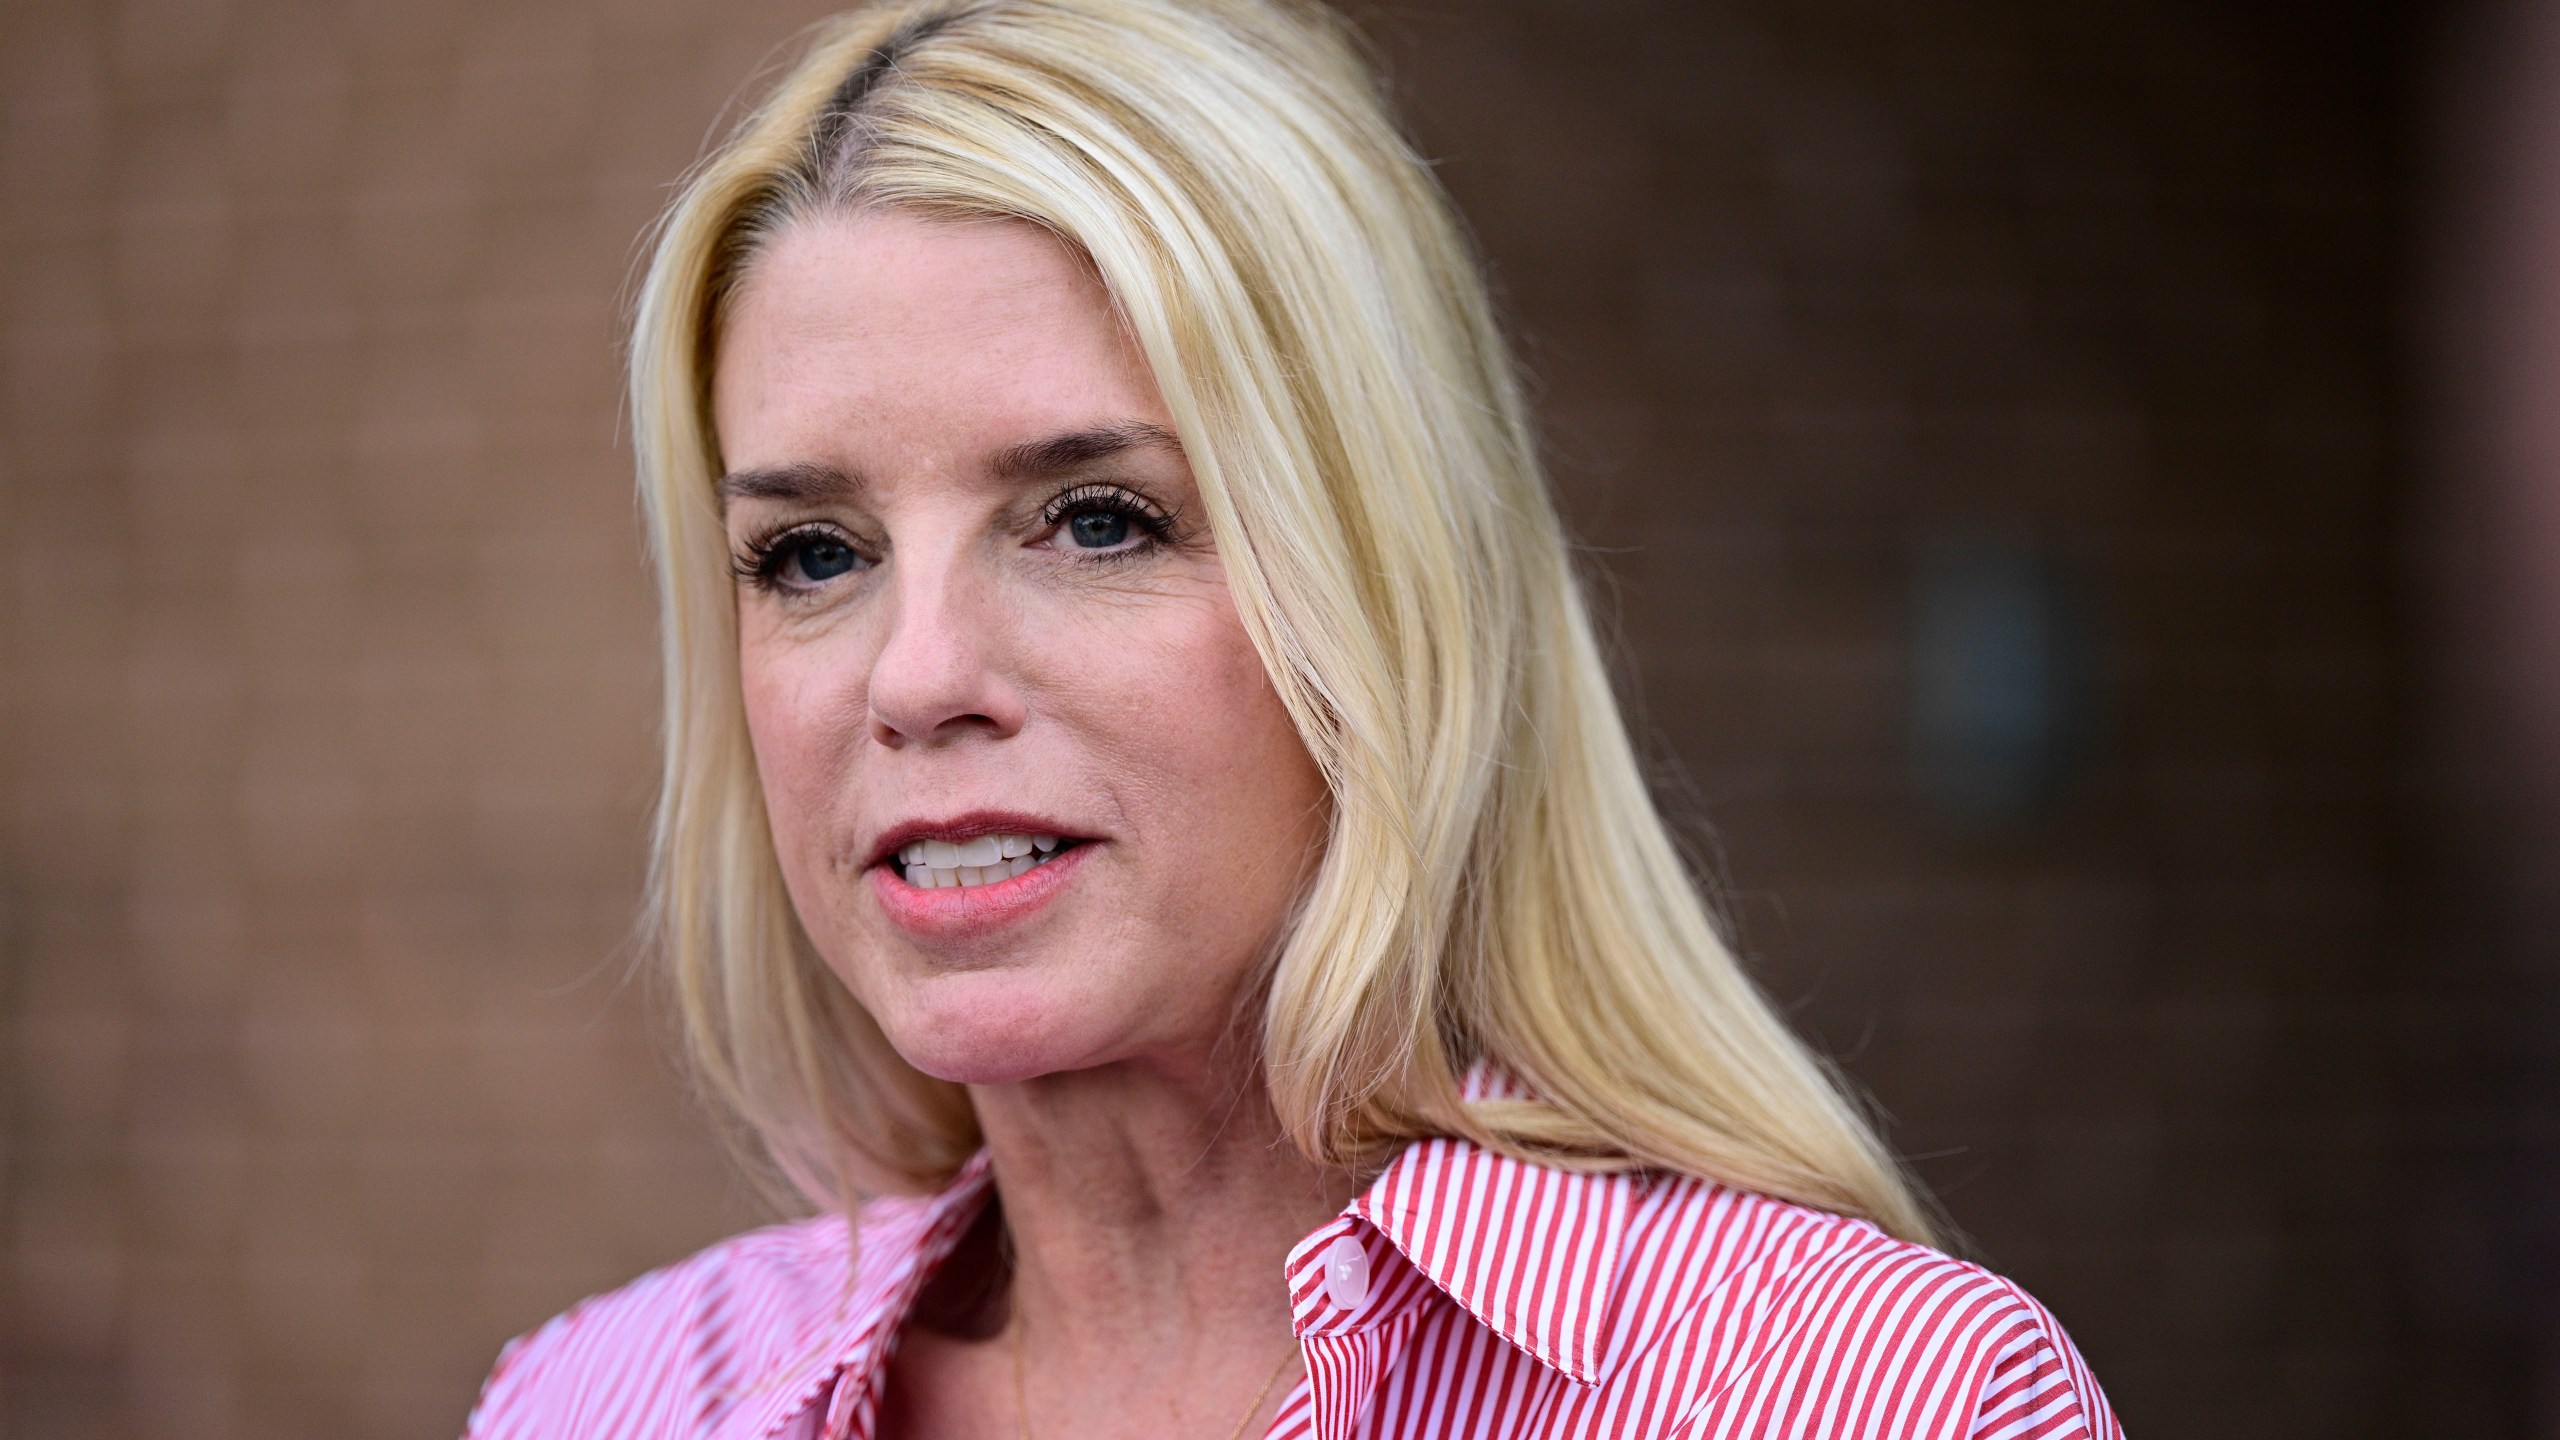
{"type": "Point", "coordinates": [869, 328]}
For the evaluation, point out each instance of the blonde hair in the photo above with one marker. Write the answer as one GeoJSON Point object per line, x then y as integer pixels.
{"type": "Point", "coordinates": [1498, 886]}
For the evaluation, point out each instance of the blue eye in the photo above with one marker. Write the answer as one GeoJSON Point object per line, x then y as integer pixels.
{"type": "Point", "coordinates": [1105, 522]}
{"type": "Point", "coordinates": [1098, 529]}
{"type": "Point", "coordinates": [798, 561]}
{"type": "Point", "coordinates": [822, 558]}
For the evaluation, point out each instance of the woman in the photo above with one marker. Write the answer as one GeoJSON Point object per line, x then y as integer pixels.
{"type": "Point", "coordinates": [1146, 833]}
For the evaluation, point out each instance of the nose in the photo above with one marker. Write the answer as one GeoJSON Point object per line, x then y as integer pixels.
{"type": "Point", "coordinates": [937, 675]}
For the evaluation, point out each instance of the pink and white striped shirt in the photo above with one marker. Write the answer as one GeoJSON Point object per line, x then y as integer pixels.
{"type": "Point", "coordinates": [1465, 1294]}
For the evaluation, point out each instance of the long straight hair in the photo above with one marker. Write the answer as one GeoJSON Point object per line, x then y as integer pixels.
{"type": "Point", "coordinates": [1497, 886]}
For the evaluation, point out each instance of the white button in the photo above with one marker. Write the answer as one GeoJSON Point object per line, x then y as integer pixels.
{"type": "Point", "coordinates": [1346, 1272]}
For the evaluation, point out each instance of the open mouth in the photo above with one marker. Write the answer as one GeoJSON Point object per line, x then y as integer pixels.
{"type": "Point", "coordinates": [979, 860]}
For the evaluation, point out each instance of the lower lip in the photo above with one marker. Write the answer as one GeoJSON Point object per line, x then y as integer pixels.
{"type": "Point", "coordinates": [954, 912]}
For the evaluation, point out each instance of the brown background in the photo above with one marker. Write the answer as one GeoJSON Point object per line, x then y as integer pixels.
{"type": "Point", "coordinates": [325, 732]}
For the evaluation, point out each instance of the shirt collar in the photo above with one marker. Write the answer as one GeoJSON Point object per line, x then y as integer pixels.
{"type": "Point", "coordinates": [1530, 1251]}
{"type": "Point", "coordinates": [897, 1245]}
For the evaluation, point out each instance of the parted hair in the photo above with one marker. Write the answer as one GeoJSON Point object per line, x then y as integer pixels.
{"type": "Point", "coordinates": [1497, 885]}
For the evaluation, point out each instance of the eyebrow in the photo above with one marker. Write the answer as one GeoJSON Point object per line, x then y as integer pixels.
{"type": "Point", "coordinates": [1058, 454]}
{"type": "Point", "coordinates": [808, 482]}
{"type": "Point", "coordinates": [802, 482]}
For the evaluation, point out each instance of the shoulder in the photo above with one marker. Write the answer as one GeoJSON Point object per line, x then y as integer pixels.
{"type": "Point", "coordinates": [674, 1351]}
{"type": "Point", "coordinates": [1712, 1310]}
{"type": "Point", "coordinates": [1807, 1310]}
{"type": "Point", "coordinates": [669, 1352]}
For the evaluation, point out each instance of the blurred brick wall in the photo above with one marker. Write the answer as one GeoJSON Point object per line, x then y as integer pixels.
{"type": "Point", "coordinates": [1808, 284]}
{"type": "Point", "coordinates": [2488, 527]}
{"type": "Point", "coordinates": [325, 727]}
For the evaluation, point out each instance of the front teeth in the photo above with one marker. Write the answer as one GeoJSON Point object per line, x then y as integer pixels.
{"type": "Point", "coordinates": [980, 860]}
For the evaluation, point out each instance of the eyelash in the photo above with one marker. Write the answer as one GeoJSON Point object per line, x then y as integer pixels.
{"type": "Point", "coordinates": [1154, 523]}
{"type": "Point", "coordinates": [760, 558]}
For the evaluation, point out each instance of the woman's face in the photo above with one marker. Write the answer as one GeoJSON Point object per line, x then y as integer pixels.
{"type": "Point", "coordinates": [1033, 794]}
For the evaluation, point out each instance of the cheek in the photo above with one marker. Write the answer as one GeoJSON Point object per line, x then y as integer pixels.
{"type": "Point", "coordinates": [1251, 737]}
{"type": "Point", "coordinates": [804, 720]}
{"type": "Point", "coordinates": [1237, 797]}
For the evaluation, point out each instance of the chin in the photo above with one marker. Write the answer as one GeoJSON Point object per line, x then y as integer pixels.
{"type": "Point", "coordinates": [978, 1034]}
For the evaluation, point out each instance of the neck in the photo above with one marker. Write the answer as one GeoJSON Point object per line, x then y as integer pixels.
{"type": "Point", "coordinates": [1151, 1207]}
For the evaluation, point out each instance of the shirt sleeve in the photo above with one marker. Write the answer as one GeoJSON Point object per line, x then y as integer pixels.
{"type": "Point", "coordinates": [542, 1383]}
{"type": "Point", "coordinates": [627, 1363]}
{"type": "Point", "coordinates": [2040, 1389]}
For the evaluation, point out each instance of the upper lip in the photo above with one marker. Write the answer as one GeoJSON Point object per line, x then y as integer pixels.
{"type": "Point", "coordinates": [963, 827]}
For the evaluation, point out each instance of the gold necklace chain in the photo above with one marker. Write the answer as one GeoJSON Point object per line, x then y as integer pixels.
{"type": "Point", "coordinates": [1022, 1410]}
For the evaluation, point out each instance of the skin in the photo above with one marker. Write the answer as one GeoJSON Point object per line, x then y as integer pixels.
{"type": "Point", "coordinates": [922, 635]}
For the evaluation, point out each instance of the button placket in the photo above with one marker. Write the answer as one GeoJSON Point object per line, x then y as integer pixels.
{"type": "Point", "coordinates": [1351, 1316]}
